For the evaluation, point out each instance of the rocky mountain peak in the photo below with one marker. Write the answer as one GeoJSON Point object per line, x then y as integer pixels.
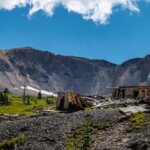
{"type": "Point", "coordinates": [44, 70]}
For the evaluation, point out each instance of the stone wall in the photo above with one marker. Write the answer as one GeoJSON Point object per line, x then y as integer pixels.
{"type": "Point", "coordinates": [131, 92]}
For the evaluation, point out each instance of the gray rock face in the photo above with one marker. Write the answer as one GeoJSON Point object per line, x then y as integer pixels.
{"type": "Point", "coordinates": [44, 70]}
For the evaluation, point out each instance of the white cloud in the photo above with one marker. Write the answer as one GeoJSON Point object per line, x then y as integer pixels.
{"type": "Point", "coordinates": [97, 10]}
{"type": "Point", "coordinates": [11, 4]}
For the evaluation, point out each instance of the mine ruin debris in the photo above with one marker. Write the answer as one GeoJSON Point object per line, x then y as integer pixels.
{"type": "Point", "coordinates": [131, 92]}
{"type": "Point", "coordinates": [70, 102]}
{"type": "Point", "coordinates": [133, 109]}
{"type": "Point", "coordinates": [147, 100]}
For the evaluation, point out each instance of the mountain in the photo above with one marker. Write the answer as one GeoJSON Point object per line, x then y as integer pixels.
{"type": "Point", "coordinates": [49, 72]}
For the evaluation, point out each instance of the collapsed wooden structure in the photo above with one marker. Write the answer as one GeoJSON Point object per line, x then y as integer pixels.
{"type": "Point", "coordinates": [131, 92]}
{"type": "Point", "coordinates": [70, 101]}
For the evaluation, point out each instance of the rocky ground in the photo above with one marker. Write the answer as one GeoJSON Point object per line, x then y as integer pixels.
{"type": "Point", "coordinates": [96, 130]}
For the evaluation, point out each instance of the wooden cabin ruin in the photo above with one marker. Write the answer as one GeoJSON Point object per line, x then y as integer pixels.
{"type": "Point", "coordinates": [131, 92]}
{"type": "Point", "coordinates": [70, 102]}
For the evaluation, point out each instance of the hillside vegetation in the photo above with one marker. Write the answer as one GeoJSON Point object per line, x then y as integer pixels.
{"type": "Point", "coordinates": [16, 105]}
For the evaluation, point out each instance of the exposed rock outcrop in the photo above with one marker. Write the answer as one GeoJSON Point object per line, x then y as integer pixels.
{"type": "Point", "coordinates": [46, 71]}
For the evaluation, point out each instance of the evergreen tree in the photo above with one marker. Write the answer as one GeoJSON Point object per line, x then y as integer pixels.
{"type": "Point", "coordinates": [6, 91]}
{"type": "Point", "coordinates": [28, 100]}
{"type": "Point", "coordinates": [24, 94]}
{"type": "Point", "coordinates": [47, 101]}
{"type": "Point", "coordinates": [4, 97]}
{"type": "Point", "coordinates": [39, 95]}
{"type": "Point", "coordinates": [1, 98]}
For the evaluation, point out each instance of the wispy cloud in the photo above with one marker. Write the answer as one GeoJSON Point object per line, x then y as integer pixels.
{"type": "Point", "coordinates": [97, 10]}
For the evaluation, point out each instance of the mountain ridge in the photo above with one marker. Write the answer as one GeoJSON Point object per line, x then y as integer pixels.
{"type": "Point", "coordinates": [47, 71]}
{"type": "Point", "coordinates": [70, 56]}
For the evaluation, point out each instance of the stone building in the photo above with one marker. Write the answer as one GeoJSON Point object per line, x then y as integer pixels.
{"type": "Point", "coordinates": [131, 92]}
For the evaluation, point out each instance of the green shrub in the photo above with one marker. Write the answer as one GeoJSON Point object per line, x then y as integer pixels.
{"type": "Point", "coordinates": [7, 144]}
{"type": "Point", "coordinates": [101, 125]}
{"type": "Point", "coordinates": [81, 137]}
{"type": "Point", "coordinates": [138, 121]}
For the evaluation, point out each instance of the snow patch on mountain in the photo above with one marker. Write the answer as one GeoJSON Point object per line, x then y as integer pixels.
{"type": "Point", "coordinates": [42, 91]}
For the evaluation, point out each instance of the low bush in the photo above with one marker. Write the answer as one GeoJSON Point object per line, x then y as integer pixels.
{"type": "Point", "coordinates": [7, 144]}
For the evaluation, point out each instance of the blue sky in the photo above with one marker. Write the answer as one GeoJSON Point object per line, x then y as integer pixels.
{"type": "Point", "coordinates": [127, 35]}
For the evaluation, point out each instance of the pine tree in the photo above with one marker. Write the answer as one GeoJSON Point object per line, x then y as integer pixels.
{"type": "Point", "coordinates": [4, 97]}
{"type": "Point", "coordinates": [6, 101]}
{"type": "Point", "coordinates": [39, 95]}
{"type": "Point", "coordinates": [1, 98]}
{"type": "Point", "coordinates": [28, 100]}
